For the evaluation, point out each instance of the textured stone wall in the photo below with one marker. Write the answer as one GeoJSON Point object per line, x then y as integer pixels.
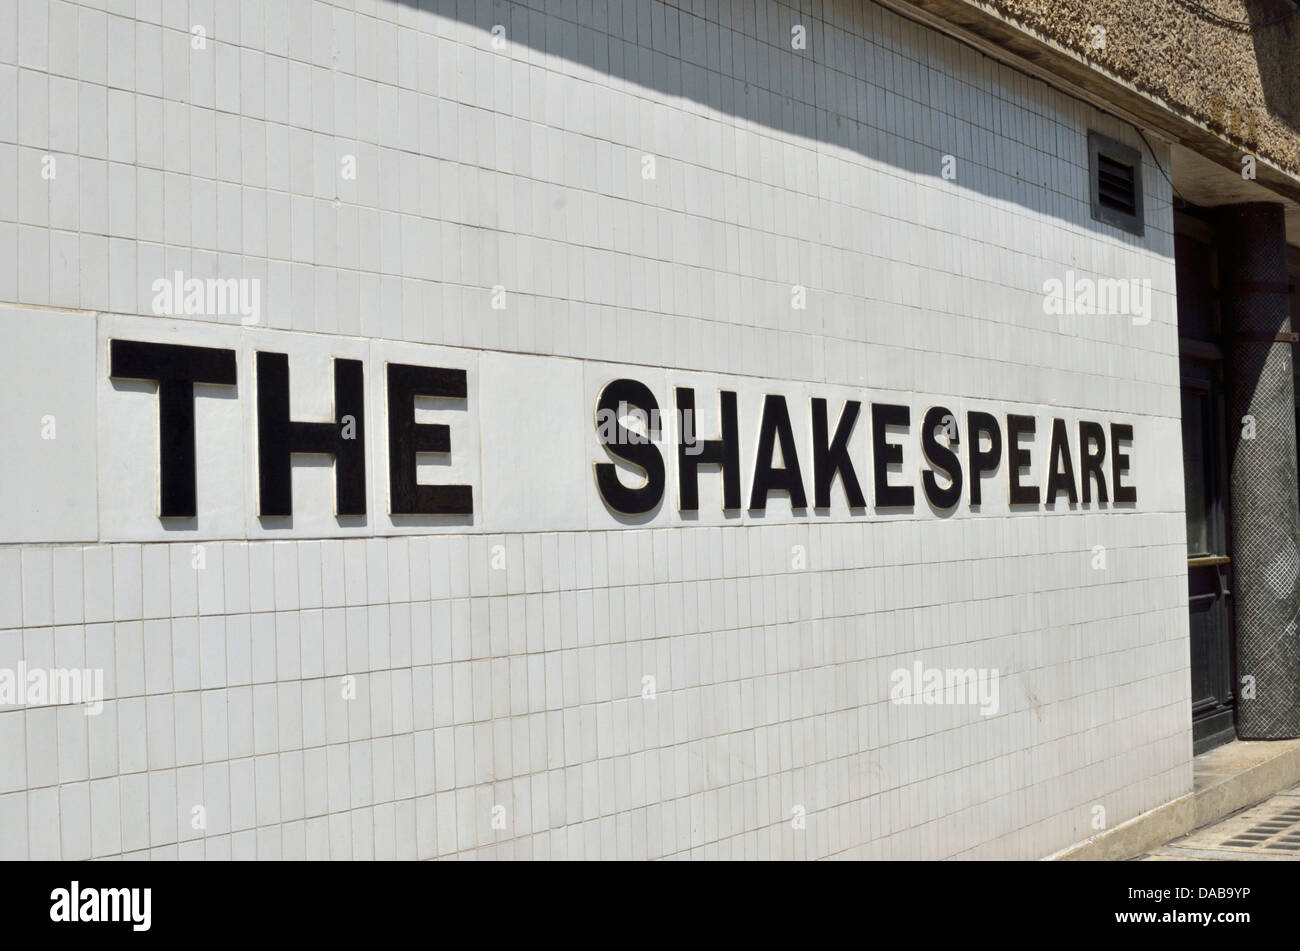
{"type": "Point", "coordinates": [1243, 81]}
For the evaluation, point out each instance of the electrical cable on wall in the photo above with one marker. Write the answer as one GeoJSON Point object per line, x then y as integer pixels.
{"type": "Point", "coordinates": [1220, 18]}
{"type": "Point", "coordinates": [1159, 167]}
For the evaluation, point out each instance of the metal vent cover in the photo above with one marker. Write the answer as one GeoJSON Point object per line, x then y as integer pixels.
{"type": "Point", "coordinates": [1280, 832]}
{"type": "Point", "coordinates": [1115, 183]}
{"type": "Point", "coordinates": [1271, 828]}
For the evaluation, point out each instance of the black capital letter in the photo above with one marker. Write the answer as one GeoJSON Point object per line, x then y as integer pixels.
{"type": "Point", "coordinates": [942, 456]}
{"type": "Point", "coordinates": [629, 446]}
{"type": "Point", "coordinates": [693, 452]}
{"type": "Point", "coordinates": [1018, 426]}
{"type": "Point", "coordinates": [1090, 434]}
{"type": "Point", "coordinates": [175, 369]}
{"type": "Point", "coordinates": [833, 458]}
{"type": "Point", "coordinates": [406, 438]}
{"type": "Point", "coordinates": [775, 425]}
{"type": "Point", "coordinates": [982, 461]}
{"type": "Point", "coordinates": [886, 453]}
{"type": "Point", "coordinates": [279, 437]}
{"type": "Point", "coordinates": [1121, 432]}
{"type": "Point", "coordinates": [1060, 467]}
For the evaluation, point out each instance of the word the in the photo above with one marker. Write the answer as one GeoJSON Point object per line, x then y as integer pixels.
{"type": "Point", "coordinates": [175, 369]}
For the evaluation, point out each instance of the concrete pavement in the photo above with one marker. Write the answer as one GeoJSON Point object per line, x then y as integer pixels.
{"type": "Point", "coordinates": [1269, 831]}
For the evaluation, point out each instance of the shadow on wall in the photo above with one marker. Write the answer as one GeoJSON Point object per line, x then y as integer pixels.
{"type": "Point", "coordinates": [865, 110]}
{"type": "Point", "coordinates": [1277, 53]}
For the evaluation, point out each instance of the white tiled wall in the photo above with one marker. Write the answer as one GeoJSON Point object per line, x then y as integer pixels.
{"type": "Point", "coordinates": [503, 662]}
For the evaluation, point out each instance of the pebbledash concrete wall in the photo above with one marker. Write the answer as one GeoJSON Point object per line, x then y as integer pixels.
{"type": "Point", "coordinates": [1229, 64]}
{"type": "Point", "coordinates": [501, 661]}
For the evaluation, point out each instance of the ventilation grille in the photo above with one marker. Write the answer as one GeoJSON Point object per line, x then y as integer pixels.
{"type": "Point", "coordinates": [1115, 183]}
{"type": "Point", "coordinates": [1268, 830]}
{"type": "Point", "coordinates": [1116, 187]}
{"type": "Point", "coordinates": [1280, 832]}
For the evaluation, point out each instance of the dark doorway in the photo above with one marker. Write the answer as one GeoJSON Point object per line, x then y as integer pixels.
{"type": "Point", "coordinates": [1209, 564]}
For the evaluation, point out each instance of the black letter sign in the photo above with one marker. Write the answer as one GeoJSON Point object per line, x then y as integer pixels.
{"type": "Point", "coordinates": [406, 438]}
{"type": "Point", "coordinates": [886, 453]}
{"type": "Point", "coordinates": [941, 456]}
{"type": "Point", "coordinates": [775, 427]}
{"type": "Point", "coordinates": [1092, 450]}
{"type": "Point", "coordinates": [982, 460]}
{"type": "Point", "coordinates": [1018, 426]}
{"type": "Point", "coordinates": [278, 437]}
{"type": "Point", "coordinates": [831, 458]}
{"type": "Point", "coordinates": [693, 452]}
{"type": "Point", "coordinates": [1121, 432]}
{"type": "Point", "coordinates": [631, 447]}
{"type": "Point", "coordinates": [175, 369]}
{"type": "Point", "coordinates": [1060, 468]}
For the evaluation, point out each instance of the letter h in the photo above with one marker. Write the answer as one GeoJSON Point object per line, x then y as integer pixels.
{"type": "Point", "coordinates": [279, 437]}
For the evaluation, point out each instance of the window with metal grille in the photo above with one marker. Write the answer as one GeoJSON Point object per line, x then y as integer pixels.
{"type": "Point", "coordinates": [1115, 183]}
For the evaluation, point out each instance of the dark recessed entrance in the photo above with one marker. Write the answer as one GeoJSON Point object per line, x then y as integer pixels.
{"type": "Point", "coordinates": [1205, 475]}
